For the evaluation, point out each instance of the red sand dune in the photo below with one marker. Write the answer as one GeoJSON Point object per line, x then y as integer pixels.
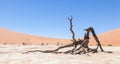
{"type": "Point", "coordinates": [111, 37]}
{"type": "Point", "coordinates": [10, 37]}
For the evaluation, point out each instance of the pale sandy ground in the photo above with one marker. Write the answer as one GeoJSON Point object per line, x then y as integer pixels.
{"type": "Point", "coordinates": [12, 54]}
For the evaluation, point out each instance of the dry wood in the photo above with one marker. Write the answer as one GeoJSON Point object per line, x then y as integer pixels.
{"type": "Point", "coordinates": [73, 34]}
{"type": "Point", "coordinates": [83, 44]}
{"type": "Point", "coordinates": [90, 29]}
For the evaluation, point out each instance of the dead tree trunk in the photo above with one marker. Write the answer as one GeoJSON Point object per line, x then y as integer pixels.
{"type": "Point", "coordinates": [83, 44]}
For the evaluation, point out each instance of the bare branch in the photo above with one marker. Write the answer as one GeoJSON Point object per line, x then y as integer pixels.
{"type": "Point", "coordinates": [73, 34]}
{"type": "Point", "coordinates": [90, 29]}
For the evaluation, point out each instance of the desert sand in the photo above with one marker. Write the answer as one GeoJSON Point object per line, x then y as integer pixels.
{"type": "Point", "coordinates": [111, 37]}
{"type": "Point", "coordinates": [13, 54]}
{"type": "Point", "coordinates": [10, 37]}
{"type": "Point", "coordinates": [12, 49]}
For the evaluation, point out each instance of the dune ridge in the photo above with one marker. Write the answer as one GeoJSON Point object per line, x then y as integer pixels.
{"type": "Point", "coordinates": [10, 37]}
{"type": "Point", "coordinates": [111, 37]}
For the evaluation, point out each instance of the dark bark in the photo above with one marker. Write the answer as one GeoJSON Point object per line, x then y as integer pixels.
{"type": "Point", "coordinates": [73, 34]}
{"type": "Point", "coordinates": [90, 29]}
{"type": "Point", "coordinates": [83, 44]}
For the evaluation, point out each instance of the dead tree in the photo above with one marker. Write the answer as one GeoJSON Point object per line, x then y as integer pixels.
{"type": "Point", "coordinates": [83, 43]}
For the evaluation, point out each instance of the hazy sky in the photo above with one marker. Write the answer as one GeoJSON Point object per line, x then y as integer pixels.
{"type": "Point", "coordinates": [49, 17]}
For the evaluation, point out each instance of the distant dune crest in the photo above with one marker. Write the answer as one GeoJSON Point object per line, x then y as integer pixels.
{"type": "Point", "coordinates": [109, 38]}
{"type": "Point", "coordinates": [9, 37]}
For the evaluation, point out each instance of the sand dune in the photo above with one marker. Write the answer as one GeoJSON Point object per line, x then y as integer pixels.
{"type": "Point", "coordinates": [111, 37]}
{"type": "Point", "coordinates": [6, 36]}
{"type": "Point", "coordinates": [10, 37]}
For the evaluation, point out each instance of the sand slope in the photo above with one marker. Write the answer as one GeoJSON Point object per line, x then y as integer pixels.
{"type": "Point", "coordinates": [7, 36]}
{"type": "Point", "coordinates": [110, 37]}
